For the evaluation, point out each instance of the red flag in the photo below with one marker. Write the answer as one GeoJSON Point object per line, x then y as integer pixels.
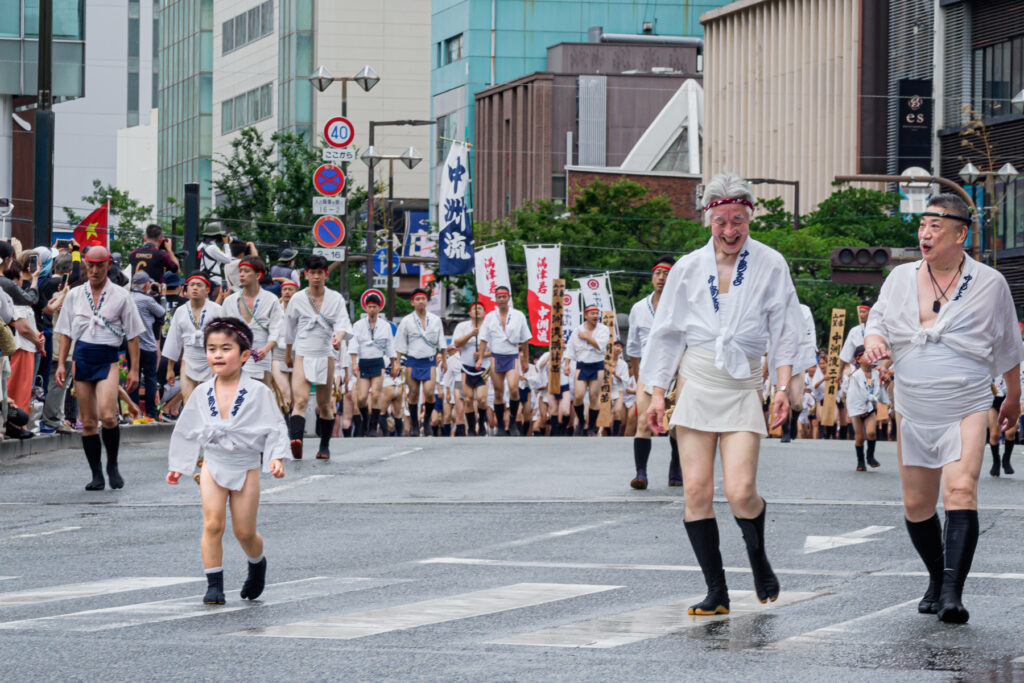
{"type": "Point", "coordinates": [93, 230]}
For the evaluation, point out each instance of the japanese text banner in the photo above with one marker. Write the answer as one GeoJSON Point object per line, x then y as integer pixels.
{"type": "Point", "coordinates": [542, 265]}
{"type": "Point", "coordinates": [597, 291]}
{"type": "Point", "coordinates": [455, 240]}
{"type": "Point", "coordinates": [491, 271]}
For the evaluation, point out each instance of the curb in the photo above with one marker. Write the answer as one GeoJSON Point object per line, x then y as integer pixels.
{"type": "Point", "coordinates": [13, 449]}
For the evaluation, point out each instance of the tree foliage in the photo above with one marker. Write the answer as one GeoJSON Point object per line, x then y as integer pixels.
{"type": "Point", "coordinates": [128, 216]}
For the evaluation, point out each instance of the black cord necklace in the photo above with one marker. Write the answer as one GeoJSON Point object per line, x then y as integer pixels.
{"type": "Point", "coordinates": [940, 293]}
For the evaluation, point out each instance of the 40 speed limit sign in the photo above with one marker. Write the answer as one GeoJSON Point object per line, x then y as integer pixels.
{"type": "Point", "coordinates": [339, 132]}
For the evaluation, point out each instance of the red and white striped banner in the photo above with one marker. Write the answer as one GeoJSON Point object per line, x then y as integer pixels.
{"type": "Point", "coordinates": [542, 265]}
{"type": "Point", "coordinates": [491, 270]}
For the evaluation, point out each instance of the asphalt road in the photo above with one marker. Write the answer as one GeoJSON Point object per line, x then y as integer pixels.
{"type": "Point", "coordinates": [490, 559]}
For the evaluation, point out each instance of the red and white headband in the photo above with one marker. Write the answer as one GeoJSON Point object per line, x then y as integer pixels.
{"type": "Point", "coordinates": [730, 200]}
{"type": "Point", "coordinates": [659, 266]}
{"type": "Point", "coordinates": [198, 277]}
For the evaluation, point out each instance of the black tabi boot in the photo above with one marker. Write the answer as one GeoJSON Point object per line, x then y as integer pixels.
{"type": "Point", "coordinates": [428, 410]}
{"type": "Point", "coordinates": [565, 431]}
{"type": "Point", "coordinates": [460, 430]}
{"type": "Point", "coordinates": [871, 454]}
{"type": "Point", "coordinates": [704, 538]}
{"type": "Point", "coordinates": [787, 435]}
{"type": "Point", "coordinates": [675, 469]}
{"type": "Point", "coordinates": [794, 424]}
{"type": "Point", "coordinates": [616, 427]}
{"type": "Point", "coordinates": [382, 421]}
{"type": "Point", "coordinates": [214, 588]}
{"type": "Point", "coordinates": [446, 430]}
{"type": "Point", "coordinates": [399, 426]}
{"type": "Point", "coordinates": [93, 453]}
{"type": "Point", "coordinates": [961, 540]}
{"type": "Point", "coordinates": [995, 459]}
{"type": "Point", "coordinates": [254, 583]}
{"type": "Point", "coordinates": [641, 453]}
{"type": "Point", "coordinates": [765, 582]}
{"type": "Point", "coordinates": [580, 425]}
{"type": "Point", "coordinates": [481, 422]}
{"type": "Point", "coordinates": [364, 416]}
{"type": "Point", "coordinates": [375, 424]}
{"type": "Point", "coordinates": [499, 413]}
{"type": "Point", "coordinates": [861, 467]}
{"type": "Point", "coordinates": [843, 432]}
{"type": "Point", "coordinates": [326, 427]}
{"type": "Point", "coordinates": [1008, 446]}
{"type": "Point", "coordinates": [112, 444]}
{"type": "Point", "coordinates": [592, 421]}
{"type": "Point", "coordinates": [927, 539]}
{"type": "Point", "coordinates": [513, 414]}
{"type": "Point", "coordinates": [471, 423]}
{"type": "Point", "coordinates": [357, 426]}
{"type": "Point", "coordinates": [296, 430]}
{"type": "Point", "coordinates": [414, 419]}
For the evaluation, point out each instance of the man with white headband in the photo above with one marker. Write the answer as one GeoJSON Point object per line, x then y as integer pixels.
{"type": "Point", "coordinates": [98, 317]}
{"type": "Point", "coordinates": [723, 305]}
{"type": "Point", "coordinates": [420, 340]}
{"type": "Point", "coordinates": [949, 324]}
{"type": "Point", "coordinates": [504, 333]}
{"type": "Point", "coordinates": [586, 346]}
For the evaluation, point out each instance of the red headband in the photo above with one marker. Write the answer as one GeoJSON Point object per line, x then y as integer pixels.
{"type": "Point", "coordinates": [289, 282]}
{"type": "Point", "coordinates": [730, 200]}
{"type": "Point", "coordinates": [659, 266]}
{"type": "Point", "coordinates": [417, 295]}
{"type": "Point", "coordinates": [198, 277]}
{"type": "Point", "coordinates": [591, 307]}
{"type": "Point", "coordinates": [863, 308]}
{"type": "Point", "coordinates": [252, 268]}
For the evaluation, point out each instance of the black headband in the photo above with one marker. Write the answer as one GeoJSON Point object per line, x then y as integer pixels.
{"type": "Point", "coordinates": [943, 214]}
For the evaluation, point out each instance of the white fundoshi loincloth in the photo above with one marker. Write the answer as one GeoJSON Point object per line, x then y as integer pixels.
{"type": "Point", "coordinates": [711, 400]}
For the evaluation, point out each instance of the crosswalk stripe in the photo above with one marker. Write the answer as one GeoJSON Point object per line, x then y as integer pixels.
{"type": "Point", "coordinates": [5, 578]}
{"type": "Point", "coordinates": [464, 606]}
{"type": "Point", "coordinates": [843, 627]}
{"type": "Point", "coordinates": [1019, 660]}
{"type": "Point", "coordinates": [90, 589]}
{"type": "Point", "coordinates": [122, 616]}
{"type": "Point", "coordinates": [645, 623]}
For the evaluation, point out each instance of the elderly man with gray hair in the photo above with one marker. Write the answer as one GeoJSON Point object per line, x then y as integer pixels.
{"type": "Point", "coordinates": [722, 306]}
{"type": "Point", "coordinates": [949, 324]}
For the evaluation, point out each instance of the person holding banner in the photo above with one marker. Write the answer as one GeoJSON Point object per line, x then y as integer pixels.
{"type": "Point", "coordinates": [420, 338]}
{"type": "Point", "coordinates": [504, 333]}
{"type": "Point", "coordinates": [466, 338]}
{"type": "Point", "coordinates": [949, 324]}
{"type": "Point", "coordinates": [641, 318]}
{"type": "Point", "coordinates": [586, 346]}
{"type": "Point", "coordinates": [372, 346]}
{"type": "Point", "coordinates": [724, 304]}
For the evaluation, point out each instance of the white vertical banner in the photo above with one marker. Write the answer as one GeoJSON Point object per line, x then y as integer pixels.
{"type": "Point", "coordinates": [597, 291]}
{"type": "Point", "coordinates": [572, 313]}
{"type": "Point", "coordinates": [542, 264]}
{"type": "Point", "coordinates": [491, 271]}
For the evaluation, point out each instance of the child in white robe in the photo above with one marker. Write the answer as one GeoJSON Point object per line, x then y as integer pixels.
{"type": "Point", "coordinates": [864, 392]}
{"type": "Point", "coordinates": [234, 422]}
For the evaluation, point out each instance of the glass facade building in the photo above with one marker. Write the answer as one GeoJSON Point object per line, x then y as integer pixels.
{"type": "Point", "coordinates": [19, 32]}
{"type": "Point", "coordinates": [295, 56]}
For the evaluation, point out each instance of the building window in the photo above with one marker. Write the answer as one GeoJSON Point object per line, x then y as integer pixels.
{"type": "Point", "coordinates": [998, 76]}
{"type": "Point", "coordinates": [445, 129]}
{"type": "Point", "coordinates": [246, 109]}
{"type": "Point", "coordinates": [453, 49]}
{"type": "Point", "coordinates": [247, 27]}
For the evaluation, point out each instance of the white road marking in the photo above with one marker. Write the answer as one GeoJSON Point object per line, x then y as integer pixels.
{"type": "Point", "coordinates": [815, 544]}
{"type": "Point", "coordinates": [400, 617]}
{"type": "Point", "coordinates": [1019, 660]}
{"type": "Point", "coordinates": [295, 484]}
{"type": "Point", "coordinates": [406, 452]}
{"type": "Point", "coordinates": [649, 622]}
{"type": "Point", "coordinates": [122, 616]}
{"type": "Point", "coordinates": [548, 536]}
{"type": "Point", "coordinates": [849, 626]}
{"type": "Point", "coordinates": [48, 533]}
{"type": "Point", "coordinates": [5, 578]}
{"type": "Point", "coordinates": [90, 589]}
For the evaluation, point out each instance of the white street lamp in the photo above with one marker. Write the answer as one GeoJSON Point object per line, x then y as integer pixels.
{"type": "Point", "coordinates": [370, 156]}
{"type": "Point", "coordinates": [366, 78]}
{"type": "Point", "coordinates": [970, 173]}
{"type": "Point", "coordinates": [321, 78]}
{"type": "Point", "coordinates": [410, 158]}
{"type": "Point", "coordinates": [1007, 173]}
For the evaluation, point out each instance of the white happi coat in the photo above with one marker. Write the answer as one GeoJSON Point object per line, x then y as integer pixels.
{"type": "Point", "coordinates": [505, 341]}
{"type": "Point", "coordinates": [762, 308]}
{"type": "Point", "coordinates": [268, 315]}
{"type": "Point", "coordinates": [808, 342]}
{"type": "Point", "coordinates": [641, 319]}
{"type": "Point", "coordinates": [854, 339]}
{"type": "Point", "coordinates": [185, 339]}
{"type": "Point", "coordinates": [943, 374]}
{"type": "Point", "coordinates": [79, 323]}
{"type": "Point", "coordinates": [419, 342]}
{"type": "Point", "coordinates": [310, 333]}
{"type": "Point", "coordinates": [862, 395]}
{"type": "Point", "coordinates": [252, 435]}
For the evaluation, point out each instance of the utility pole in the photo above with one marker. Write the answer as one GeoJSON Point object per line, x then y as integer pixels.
{"type": "Point", "coordinates": [42, 197]}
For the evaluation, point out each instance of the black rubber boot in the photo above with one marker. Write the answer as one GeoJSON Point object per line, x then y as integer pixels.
{"type": "Point", "coordinates": [471, 423]}
{"type": "Point", "coordinates": [794, 423]}
{"type": "Point", "coordinates": [592, 421]}
{"type": "Point", "coordinates": [787, 436]}
{"type": "Point", "coordinates": [765, 582]}
{"type": "Point", "coordinates": [481, 422]}
{"type": "Point", "coordinates": [861, 467]}
{"type": "Point", "coordinates": [499, 414]}
{"type": "Point", "coordinates": [374, 424]}
{"type": "Point", "coordinates": [364, 415]}
{"type": "Point", "coordinates": [995, 459]}
{"type": "Point", "coordinates": [112, 442]}
{"type": "Point", "coordinates": [675, 469]}
{"type": "Point", "coordinates": [93, 453]}
{"type": "Point", "coordinates": [871, 454]}
{"type": "Point", "coordinates": [254, 583]}
{"type": "Point", "coordinates": [580, 423]}
{"type": "Point", "coordinates": [399, 426]}
{"type": "Point", "coordinates": [414, 419]}
{"type": "Point", "coordinates": [428, 411]}
{"type": "Point", "coordinates": [382, 421]}
{"type": "Point", "coordinates": [641, 453]}
{"type": "Point", "coordinates": [513, 414]}
{"type": "Point", "coordinates": [326, 427]}
{"type": "Point", "coordinates": [214, 588]}
{"type": "Point", "coordinates": [565, 426]}
{"type": "Point", "coordinates": [1008, 446]}
{"type": "Point", "coordinates": [927, 539]}
{"type": "Point", "coordinates": [961, 541]}
{"type": "Point", "coordinates": [704, 538]}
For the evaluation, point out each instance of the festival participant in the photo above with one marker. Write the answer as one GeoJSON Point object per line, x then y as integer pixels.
{"type": "Point", "coordinates": [529, 381]}
{"type": "Point", "coordinates": [315, 325]}
{"type": "Point", "coordinates": [620, 378]}
{"type": "Point", "coordinates": [98, 316]}
{"type": "Point", "coordinates": [233, 426]}
{"type": "Point", "coordinates": [994, 432]}
{"type": "Point", "coordinates": [393, 396]}
{"type": "Point", "coordinates": [372, 345]}
{"type": "Point", "coordinates": [641, 318]}
{"type": "Point", "coordinates": [724, 305]}
{"type": "Point", "coordinates": [586, 346]}
{"type": "Point", "coordinates": [185, 336]}
{"type": "Point", "coordinates": [854, 338]}
{"type": "Point", "coordinates": [865, 392]}
{"type": "Point", "coordinates": [420, 340]}
{"type": "Point", "coordinates": [451, 383]}
{"type": "Point", "coordinates": [262, 312]}
{"type": "Point", "coordinates": [947, 321]}
{"type": "Point", "coordinates": [466, 338]}
{"type": "Point", "coordinates": [279, 366]}
{"type": "Point", "coordinates": [808, 357]}
{"type": "Point", "coordinates": [503, 333]}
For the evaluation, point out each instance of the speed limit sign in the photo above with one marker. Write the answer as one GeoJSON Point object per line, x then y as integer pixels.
{"type": "Point", "coordinates": [339, 132]}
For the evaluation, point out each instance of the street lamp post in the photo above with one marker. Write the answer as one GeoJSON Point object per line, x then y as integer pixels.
{"type": "Point", "coordinates": [1006, 173]}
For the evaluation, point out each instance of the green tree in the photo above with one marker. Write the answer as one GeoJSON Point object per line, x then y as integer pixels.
{"type": "Point", "coordinates": [129, 214]}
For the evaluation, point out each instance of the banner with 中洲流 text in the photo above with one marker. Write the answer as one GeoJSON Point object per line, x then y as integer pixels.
{"type": "Point", "coordinates": [542, 263]}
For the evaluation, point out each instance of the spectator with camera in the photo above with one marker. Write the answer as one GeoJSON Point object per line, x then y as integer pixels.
{"type": "Point", "coordinates": [155, 255]}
